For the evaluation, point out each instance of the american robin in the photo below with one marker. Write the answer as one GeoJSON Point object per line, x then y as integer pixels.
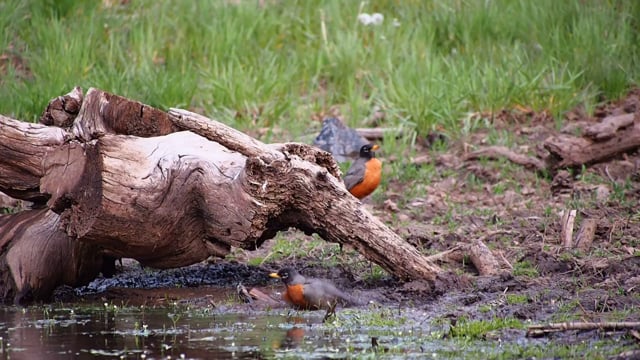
{"type": "Point", "coordinates": [311, 294]}
{"type": "Point", "coordinates": [364, 175]}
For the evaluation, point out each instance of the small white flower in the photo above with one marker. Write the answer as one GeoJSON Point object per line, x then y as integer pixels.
{"type": "Point", "coordinates": [377, 18]}
{"type": "Point", "coordinates": [365, 19]}
{"type": "Point", "coordinates": [396, 22]}
{"type": "Point", "coordinates": [373, 19]}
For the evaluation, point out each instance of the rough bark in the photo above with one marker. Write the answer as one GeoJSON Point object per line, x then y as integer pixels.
{"type": "Point", "coordinates": [607, 128]}
{"type": "Point", "coordinates": [168, 198]}
{"type": "Point", "coordinates": [570, 151]}
{"type": "Point", "coordinates": [22, 148]}
{"type": "Point", "coordinates": [296, 183]}
{"type": "Point", "coordinates": [104, 113]}
{"type": "Point", "coordinates": [587, 232]}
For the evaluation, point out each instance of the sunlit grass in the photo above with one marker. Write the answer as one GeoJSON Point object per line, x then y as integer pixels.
{"type": "Point", "coordinates": [428, 64]}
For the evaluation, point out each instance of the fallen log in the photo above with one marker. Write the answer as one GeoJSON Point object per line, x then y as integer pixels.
{"type": "Point", "coordinates": [569, 151]}
{"type": "Point", "coordinates": [171, 198]}
{"type": "Point", "coordinates": [497, 152]}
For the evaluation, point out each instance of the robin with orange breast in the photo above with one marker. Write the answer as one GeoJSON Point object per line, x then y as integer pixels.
{"type": "Point", "coordinates": [311, 294]}
{"type": "Point", "coordinates": [365, 173]}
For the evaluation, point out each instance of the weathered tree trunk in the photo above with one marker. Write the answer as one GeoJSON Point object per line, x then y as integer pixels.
{"type": "Point", "coordinates": [165, 197]}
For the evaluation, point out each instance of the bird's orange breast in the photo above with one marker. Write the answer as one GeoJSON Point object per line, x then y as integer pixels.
{"type": "Point", "coordinates": [295, 295]}
{"type": "Point", "coordinates": [370, 181]}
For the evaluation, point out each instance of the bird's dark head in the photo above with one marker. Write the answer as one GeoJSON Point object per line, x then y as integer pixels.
{"type": "Point", "coordinates": [285, 274]}
{"type": "Point", "coordinates": [368, 151]}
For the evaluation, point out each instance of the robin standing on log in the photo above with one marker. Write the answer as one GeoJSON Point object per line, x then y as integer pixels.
{"type": "Point", "coordinates": [365, 173]}
{"type": "Point", "coordinates": [311, 294]}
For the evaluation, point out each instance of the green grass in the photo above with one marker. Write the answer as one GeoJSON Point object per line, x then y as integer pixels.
{"type": "Point", "coordinates": [477, 329]}
{"type": "Point", "coordinates": [525, 268]}
{"type": "Point", "coordinates": [254, 66]}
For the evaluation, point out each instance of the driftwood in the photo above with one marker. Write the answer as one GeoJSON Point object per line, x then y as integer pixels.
{"type": "Point", "coordinates": [541, 330]}
{"type": "Point", "coordinates": [122, 180]}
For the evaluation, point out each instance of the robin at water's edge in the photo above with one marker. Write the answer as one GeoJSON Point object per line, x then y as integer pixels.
{"type": "Point", "coordinates": [311, 294]}
{"type": "Point", "coordinates": [365, 173]}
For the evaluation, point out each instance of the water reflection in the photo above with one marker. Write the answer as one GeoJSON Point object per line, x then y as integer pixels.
{"type": "Point", "coordinates": [136, 333]}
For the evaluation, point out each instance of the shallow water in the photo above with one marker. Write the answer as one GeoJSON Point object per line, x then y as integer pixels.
{"type": "Point", "coordinates": [60, 332]}
{"type": "Point", "coordinates": [238, 332]}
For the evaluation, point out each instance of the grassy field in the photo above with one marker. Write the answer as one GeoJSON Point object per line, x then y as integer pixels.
{"type": "Point", "coordinates": [284, 63]}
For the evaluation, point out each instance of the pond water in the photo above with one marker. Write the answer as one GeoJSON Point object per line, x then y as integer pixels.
{"type": "Point", "coordinates": [178, 331]}
{"type": "Point", "coordinates": [109, 331]}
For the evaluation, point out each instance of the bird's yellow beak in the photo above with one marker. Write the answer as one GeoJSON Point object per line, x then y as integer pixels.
{"type": "Point", "coordinates": [274, 275]}
{"type": "Point", "coordinates": [375, 147]}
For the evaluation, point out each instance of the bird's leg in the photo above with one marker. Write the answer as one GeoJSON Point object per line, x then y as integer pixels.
{"type": "Point", "coordinates": [331, 311]}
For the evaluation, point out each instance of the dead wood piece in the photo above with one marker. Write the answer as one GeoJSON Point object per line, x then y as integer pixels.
{"type": "Point", "coordinates": [480, 255]}
{"type": "Point", "coordinates": [482, 258]}
{"type": "Point", "coordinates": [607, 128]}
{"type": "Point", "coordinates": [246, 145]}
{"type": "Point", "coordinates": [38, 256]}
{"type": "Point", "coordinates": [105, 113]}
{"type": "Point", "coordinates": [446, 255]}
{"type": "Point", "coordinates": [377, 134]}
{"type": "Point", "coordinates": [261, 296]}
{"type": "Point", "coordinates": [497, 152]}
{"type": "Point", "coordinates": [585, 235]}
{"type": "Point", "coordinates": [570, 151]}
{"type": "Point", "coordinates": [22, 148]}
{"type": "Point", "coordinates": [224, 135]}
{"type": "Point", "coordinates": [541, 330]}
{"type": "Point", "coordinates": [566, 234]}
{"type": "Point", "coordinates": [62, 110]}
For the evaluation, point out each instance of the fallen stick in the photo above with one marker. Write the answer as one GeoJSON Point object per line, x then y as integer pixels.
{"type": "Point", "coordinates": [541, 330]}
{"type": "Point", "coordinates": [444, 255]}
{"type": "Point", "coordinates": [260, 296]}
{"type": "Point", "coordinates": [373, 134]}
{"type": "Point", "coordinates": [480, 255]}
{"type": "Point", "coordinates": [566, 235]}
{"type": "Point", "coordinates": [497, 152]}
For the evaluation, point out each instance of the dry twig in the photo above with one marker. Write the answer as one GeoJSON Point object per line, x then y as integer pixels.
{"type": "Point", "coordinates": [541, 330]}
{"type": "Point", "coordinates": [497, 152]}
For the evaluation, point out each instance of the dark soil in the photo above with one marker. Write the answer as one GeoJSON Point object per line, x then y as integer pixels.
{"type": "Point", "coordinates": [514, 210]}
